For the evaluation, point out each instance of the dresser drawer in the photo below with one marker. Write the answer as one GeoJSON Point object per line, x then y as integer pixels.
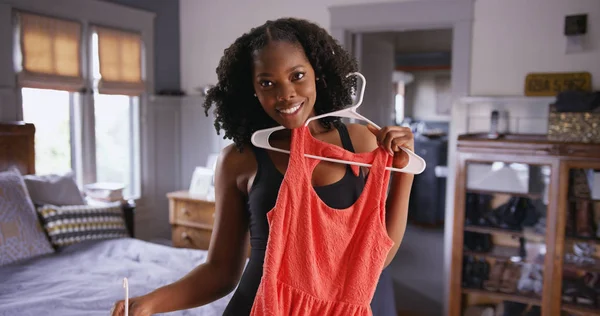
{"type": "Point", "coordinates": [194, 212]}
{"type": "Point", "coordinates": [188, 237]}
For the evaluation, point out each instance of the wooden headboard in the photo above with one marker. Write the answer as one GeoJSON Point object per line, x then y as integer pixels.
{"type": "Point", "coordinates": [17, 146]}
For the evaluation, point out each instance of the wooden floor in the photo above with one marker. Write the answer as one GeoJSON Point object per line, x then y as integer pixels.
{"type": "Point", "coordinates": [417, 272]}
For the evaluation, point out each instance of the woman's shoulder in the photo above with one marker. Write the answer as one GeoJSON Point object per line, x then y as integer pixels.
{"type": "Point", "coordinates": [237, 160]}
{"type": "Point", "coordinates": [236, 166]}
{"type": "Point", "coordinates": [362, 138]}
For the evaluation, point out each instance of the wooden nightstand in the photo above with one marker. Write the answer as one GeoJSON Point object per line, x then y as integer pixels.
{"type": "Point", "coordinates": [191, 220]}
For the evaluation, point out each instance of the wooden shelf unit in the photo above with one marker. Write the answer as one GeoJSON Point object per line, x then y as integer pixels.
{"type": "Point", "coordinates": [530, 150]}
{"type": "Point", "coordinates": [525, 299]}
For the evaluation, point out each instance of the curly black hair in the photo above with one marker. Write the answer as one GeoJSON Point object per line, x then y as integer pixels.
{"type": "Point", "coordinates": [240, 114]}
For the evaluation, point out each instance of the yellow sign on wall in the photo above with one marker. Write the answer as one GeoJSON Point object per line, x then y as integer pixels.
{"type": "Point", "coordinates": [550, 84]}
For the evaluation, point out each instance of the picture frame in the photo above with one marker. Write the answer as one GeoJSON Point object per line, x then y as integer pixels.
{"type": "Point", "coordinates": [202, 181]}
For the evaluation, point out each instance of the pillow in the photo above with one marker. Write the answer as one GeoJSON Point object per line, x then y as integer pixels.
{"type": "Point", "coordinates": [67, 225]}
{"type": "Point", "coordinates": [21, 236]}
{"type": "Point", "coordinates": [54, 189]}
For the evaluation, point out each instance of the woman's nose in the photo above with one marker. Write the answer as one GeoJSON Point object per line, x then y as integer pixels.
{"type": "Point", "coordinates": [286, 92]}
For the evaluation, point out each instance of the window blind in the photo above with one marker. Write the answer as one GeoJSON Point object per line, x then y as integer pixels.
{"type": "Point", "coordinates": [50, 53]}
{"type": "Point", "coordinates": [120, 58]}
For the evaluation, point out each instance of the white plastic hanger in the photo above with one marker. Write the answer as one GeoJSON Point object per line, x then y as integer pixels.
{"type": "Point", "coordinates": [415, 164]}
{"type": "Point", "coordinates": [126, 286]}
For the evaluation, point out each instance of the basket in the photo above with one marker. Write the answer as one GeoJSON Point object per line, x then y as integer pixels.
{"type": "Point", "coordinates": [583, 127]}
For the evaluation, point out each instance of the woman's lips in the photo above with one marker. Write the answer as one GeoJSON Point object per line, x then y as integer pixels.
{"type": "Point", "coordinates": [291, 110]}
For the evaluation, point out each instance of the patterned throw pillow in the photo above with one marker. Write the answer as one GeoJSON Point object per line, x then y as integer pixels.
{"type": "Point", "coordinates": [21, 236]}
{"type": "Point", "coordinates": [67, 225]}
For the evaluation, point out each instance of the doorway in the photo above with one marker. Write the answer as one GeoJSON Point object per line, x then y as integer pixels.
{"type": "Point", "coordinates": [408, 83]}
{"type": "Point", "coordinates": [349, 24]}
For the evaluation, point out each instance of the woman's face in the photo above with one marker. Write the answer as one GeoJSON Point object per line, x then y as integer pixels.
{"type": "Point", "coordinates": [284, 82]}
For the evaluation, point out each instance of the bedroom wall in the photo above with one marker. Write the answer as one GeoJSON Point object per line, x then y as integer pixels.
{"type": "Point", "coordinates": [510, 37]}
{"type": "Point", "coordinates": [422, 95]}
{"type": "Point", "coordinates": [8, 96]}
{"type": "Point", "coordinates": [166, 40]}
{"type": "Point", "coordinates": [377, 65]}
{"type": "Point", "coordinates": [207, 29]}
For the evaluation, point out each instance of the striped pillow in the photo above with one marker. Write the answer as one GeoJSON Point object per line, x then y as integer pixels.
{"type": "Point", "coordinates": [67, 225]}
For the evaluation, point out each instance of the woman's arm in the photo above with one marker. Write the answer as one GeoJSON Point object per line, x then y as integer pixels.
{"type": "Point", "coordinates": [397, 210]}
{"type": "Point", "coordinates": [222, 270]}
{"type": "Point", "coordinates": [227, 252]}
{"type": "Point", "coordinates": [390, 138]}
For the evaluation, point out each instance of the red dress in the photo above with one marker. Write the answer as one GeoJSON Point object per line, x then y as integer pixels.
{"type": "Point", "coordinates": [319, 260]}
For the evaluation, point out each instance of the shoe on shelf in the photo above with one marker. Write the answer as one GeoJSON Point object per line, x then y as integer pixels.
{"type": "Point", "coordinates": [495, 276]}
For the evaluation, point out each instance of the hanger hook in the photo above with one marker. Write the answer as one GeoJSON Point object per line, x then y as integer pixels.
{"type": "Point", "coordinates": [361, 94]}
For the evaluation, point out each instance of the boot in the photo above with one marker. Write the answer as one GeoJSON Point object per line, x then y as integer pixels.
{"type": "Point", "coordinates": [597, 217]}
{"type": "Point", "coordinates": [471, 213]}
{"type": "Point", "coordinates": [583, 219]}
{"type": "Point", "coordinates": [580, 190]}
{"type": "Point", "coordinates": [579, 185]}
{"type": "Point", "coordinates": [570, 229]}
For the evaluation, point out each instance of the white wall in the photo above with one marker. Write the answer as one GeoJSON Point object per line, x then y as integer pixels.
{"type": "Point", "coordinates": [377, 65]}
{"type": "Point", "coordinates": [208, 27]}
{"type": "Point", "coordinates": [514, 37]}
{"type": "Point", "coordinates": [196, 146]}
{"type": "Point", "coordinates": [510, 38]}
{"type": "Point", "coordinates": [422, 95]}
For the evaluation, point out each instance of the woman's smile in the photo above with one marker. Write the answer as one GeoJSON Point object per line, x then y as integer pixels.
{"type": "Point", "coordinates": [290, 110]}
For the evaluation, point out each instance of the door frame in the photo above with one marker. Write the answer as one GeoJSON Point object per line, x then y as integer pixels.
{"type": "Point", "coordinates": [348, 20]}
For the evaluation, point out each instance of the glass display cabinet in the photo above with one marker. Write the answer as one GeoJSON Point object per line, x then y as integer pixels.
{"type": "Point", "coordinates": [526, 226]}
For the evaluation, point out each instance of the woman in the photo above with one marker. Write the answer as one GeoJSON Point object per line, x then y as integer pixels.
{"type": "Point", "coordinates": [280, 73]}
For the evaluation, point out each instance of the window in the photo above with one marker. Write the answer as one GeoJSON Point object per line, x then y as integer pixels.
{"type": "Point", "coordinates": [116, 140]}
{"type": "Point", "coordinates": [48, 52]}
{"type": "Point", "coordinates": [50, 111]}
{"type": "Point", "coordinates": [97, 135]}
{"type": "Point", "coordinates": [117, 74]}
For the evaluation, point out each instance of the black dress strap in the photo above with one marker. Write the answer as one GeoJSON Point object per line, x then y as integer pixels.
{"type": "Point", "coordinates": [345, 137]}
{"type": "Point", "coordinates": [347, 144]}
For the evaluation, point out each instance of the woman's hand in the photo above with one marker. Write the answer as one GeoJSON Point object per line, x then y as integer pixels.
{"type": "Point", "coordinates": [392, 138]}
{"type": "Point", "coordinates": [138, 306]}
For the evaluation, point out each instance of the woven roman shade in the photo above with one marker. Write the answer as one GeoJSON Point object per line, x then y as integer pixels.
{"type": "Point", "coordinates": [120, 54]}
{"type": "Point", "coordinates": [50, 53]}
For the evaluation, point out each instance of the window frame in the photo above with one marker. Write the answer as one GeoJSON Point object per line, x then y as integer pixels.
{"type": "Point", "coordinates": [82, 105]}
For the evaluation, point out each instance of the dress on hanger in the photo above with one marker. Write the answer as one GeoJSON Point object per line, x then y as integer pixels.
{"type": "Point", "coordinates": [321, 260]}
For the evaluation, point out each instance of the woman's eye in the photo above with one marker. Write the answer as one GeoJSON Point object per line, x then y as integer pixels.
{"type": "Point", "coordinates": [265, 83]}
{"type": "Point", "coordinates": [298, 75]}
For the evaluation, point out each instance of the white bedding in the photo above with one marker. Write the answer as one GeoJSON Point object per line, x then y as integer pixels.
{"type": "Point", "coordinates": [86, 278]}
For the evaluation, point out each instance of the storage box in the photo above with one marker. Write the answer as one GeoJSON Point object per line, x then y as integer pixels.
{"type": "Point", "coordinates": [104, 191]}
{"type": "Point", "coordinates": [574, 126]}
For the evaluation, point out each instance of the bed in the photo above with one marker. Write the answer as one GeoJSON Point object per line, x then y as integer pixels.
{"type": "Point", "coordinates": [85, 278]}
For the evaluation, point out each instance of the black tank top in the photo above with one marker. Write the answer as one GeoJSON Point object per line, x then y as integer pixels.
{"type": "Point", "coordinates": [261, 199]}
